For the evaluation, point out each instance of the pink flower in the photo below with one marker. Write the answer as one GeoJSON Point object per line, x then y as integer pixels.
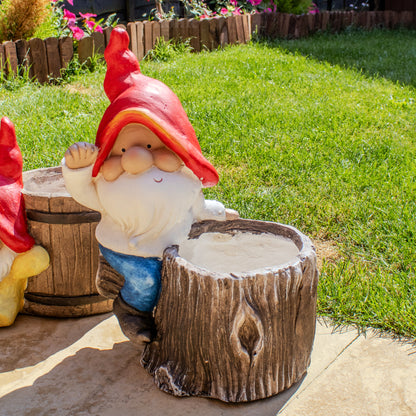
{"type": "Point", "coordinates": [224, 10]}
{"type": "Point", "coordinates": [313, 9]}
{"type": "Point", "coordinates": [71, 2]}
{"type": "Point", "coordinates": [203, 16]}
{"type": "Point", "coordinates": [255, 2]}
{"type": "Point", "coordinates": [90, 24]}
{"type": "Point", "coordinates": [233, 2]}
{"type": "Point", "coordinates": [69, 16]}
{"type": "Point", "coordinates": [77, 33]}
{"type": "Point", "coordinates": [98, 29]}
{"type": "Point", "coordinates": [236, 12]}
{"type": "Point", "coordinates": [87, 16]}
{"type": "Point", "coordinates": [268, 10]}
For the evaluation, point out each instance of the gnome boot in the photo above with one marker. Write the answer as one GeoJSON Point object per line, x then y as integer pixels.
{"type": "Point", "coordinates": [136, 325]}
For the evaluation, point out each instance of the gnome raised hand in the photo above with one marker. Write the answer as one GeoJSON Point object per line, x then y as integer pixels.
{"type": "Point", "coordinates": [145, 175]}
{"type": "Point", "coordinates": [20, 258]}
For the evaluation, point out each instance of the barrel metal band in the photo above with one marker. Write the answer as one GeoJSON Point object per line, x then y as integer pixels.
{"type": "Point", "coordinates": [63, 218]}
{"type": "Point", "coordinates": [65, 301]}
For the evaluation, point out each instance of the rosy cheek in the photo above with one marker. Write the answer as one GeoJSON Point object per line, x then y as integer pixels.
{"type": "Point", "coordinates": [166, 160]}
{"type": "Point", "coordinates": [111, 168]}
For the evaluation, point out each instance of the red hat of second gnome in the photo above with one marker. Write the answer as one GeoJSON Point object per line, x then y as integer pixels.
{"type": "Point", "coordinates": [13, 227]}
{"type": "Point", "coordinates": [136, 98]}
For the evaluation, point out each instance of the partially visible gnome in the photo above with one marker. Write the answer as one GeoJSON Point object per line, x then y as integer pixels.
{"type": "Point", "coordinates": [20, 258]}
{"type": "Point", "coordinates": [145, 175]}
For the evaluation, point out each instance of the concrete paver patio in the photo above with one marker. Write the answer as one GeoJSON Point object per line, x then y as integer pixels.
{"type": "Point", "coordinates": [86, 366]}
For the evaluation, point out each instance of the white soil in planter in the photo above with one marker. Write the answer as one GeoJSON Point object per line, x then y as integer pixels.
{"type": "Point", "coordinates": [242, 252]}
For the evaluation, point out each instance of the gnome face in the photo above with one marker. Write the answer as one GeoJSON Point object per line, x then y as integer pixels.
{"type": "Point", "coordinates": [136, 150]}
{"type": "Point", "coordinates": [144, 185]}
{"type": "Point", "coordinates": [147, 104]}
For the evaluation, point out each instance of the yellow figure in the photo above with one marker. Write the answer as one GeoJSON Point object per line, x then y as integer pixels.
{"type": "Point", "coordinates": [13, 285]}
{"type": "Point", "coordinates": [20, 257]}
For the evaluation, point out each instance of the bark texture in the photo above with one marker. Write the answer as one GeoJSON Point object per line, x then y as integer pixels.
{"type": "Point", "coordinates": [234, 337]}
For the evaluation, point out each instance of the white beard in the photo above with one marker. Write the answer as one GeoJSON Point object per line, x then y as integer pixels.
{"type": "Point", "coordinates": [143, 217]}
{"type": "Point", "coordinates": [7, 257]}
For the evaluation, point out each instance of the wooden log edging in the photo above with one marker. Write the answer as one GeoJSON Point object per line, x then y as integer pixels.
{"type": "Point", "coordinates": [47, 58]}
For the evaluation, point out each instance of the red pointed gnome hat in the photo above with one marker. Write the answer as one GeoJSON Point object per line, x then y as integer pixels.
{"type": "Point", "coordinates": [136, 98]}
{"type": "Point", "coordinates": [13, 227]}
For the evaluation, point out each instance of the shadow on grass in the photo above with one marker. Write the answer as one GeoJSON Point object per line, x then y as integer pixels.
{"type": "Point", "coordinates": [389, 54]}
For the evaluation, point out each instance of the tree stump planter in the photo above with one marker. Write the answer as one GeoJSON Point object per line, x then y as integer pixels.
{"type": "Point", "coordinates": [66, 230]}
{"type": "Point", "coordinates": [235, 337]}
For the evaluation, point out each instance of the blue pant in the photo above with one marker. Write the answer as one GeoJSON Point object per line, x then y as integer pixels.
{"type": "Point", "coordinates": [142, 277]}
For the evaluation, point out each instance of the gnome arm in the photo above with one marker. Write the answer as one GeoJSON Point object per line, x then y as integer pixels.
{"type": "Point", "coordinates": [80, 185]}
{"type": "Point", "coordinates": [30, 263]}
{"type": "Point", "coordinates": [206, 209]}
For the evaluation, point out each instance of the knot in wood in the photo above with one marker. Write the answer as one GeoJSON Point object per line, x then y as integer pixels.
{"type": "Point", "coordinates": [248, 330]}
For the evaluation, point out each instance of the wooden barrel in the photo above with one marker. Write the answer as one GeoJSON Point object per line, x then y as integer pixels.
{"type": "Point", "coordinates": [235, 336]}
{"type": "Point", "coordinates": [66, 230]}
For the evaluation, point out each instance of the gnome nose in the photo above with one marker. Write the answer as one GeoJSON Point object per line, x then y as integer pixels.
{"type": "Point", "coordinates": [136, 160]}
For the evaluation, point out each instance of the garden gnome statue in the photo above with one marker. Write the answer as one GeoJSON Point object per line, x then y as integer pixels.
{"type": "Point", "coordinates": [20, 258]}
{"type": "Point", "coordinates": [144, 175]}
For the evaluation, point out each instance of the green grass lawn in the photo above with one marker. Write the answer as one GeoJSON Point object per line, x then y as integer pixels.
{"type": "Point", "coordinates": [317, 133]}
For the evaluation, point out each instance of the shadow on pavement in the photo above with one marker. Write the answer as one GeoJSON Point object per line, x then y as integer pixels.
{"type": "Point", "coordinates": [112, 382]}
